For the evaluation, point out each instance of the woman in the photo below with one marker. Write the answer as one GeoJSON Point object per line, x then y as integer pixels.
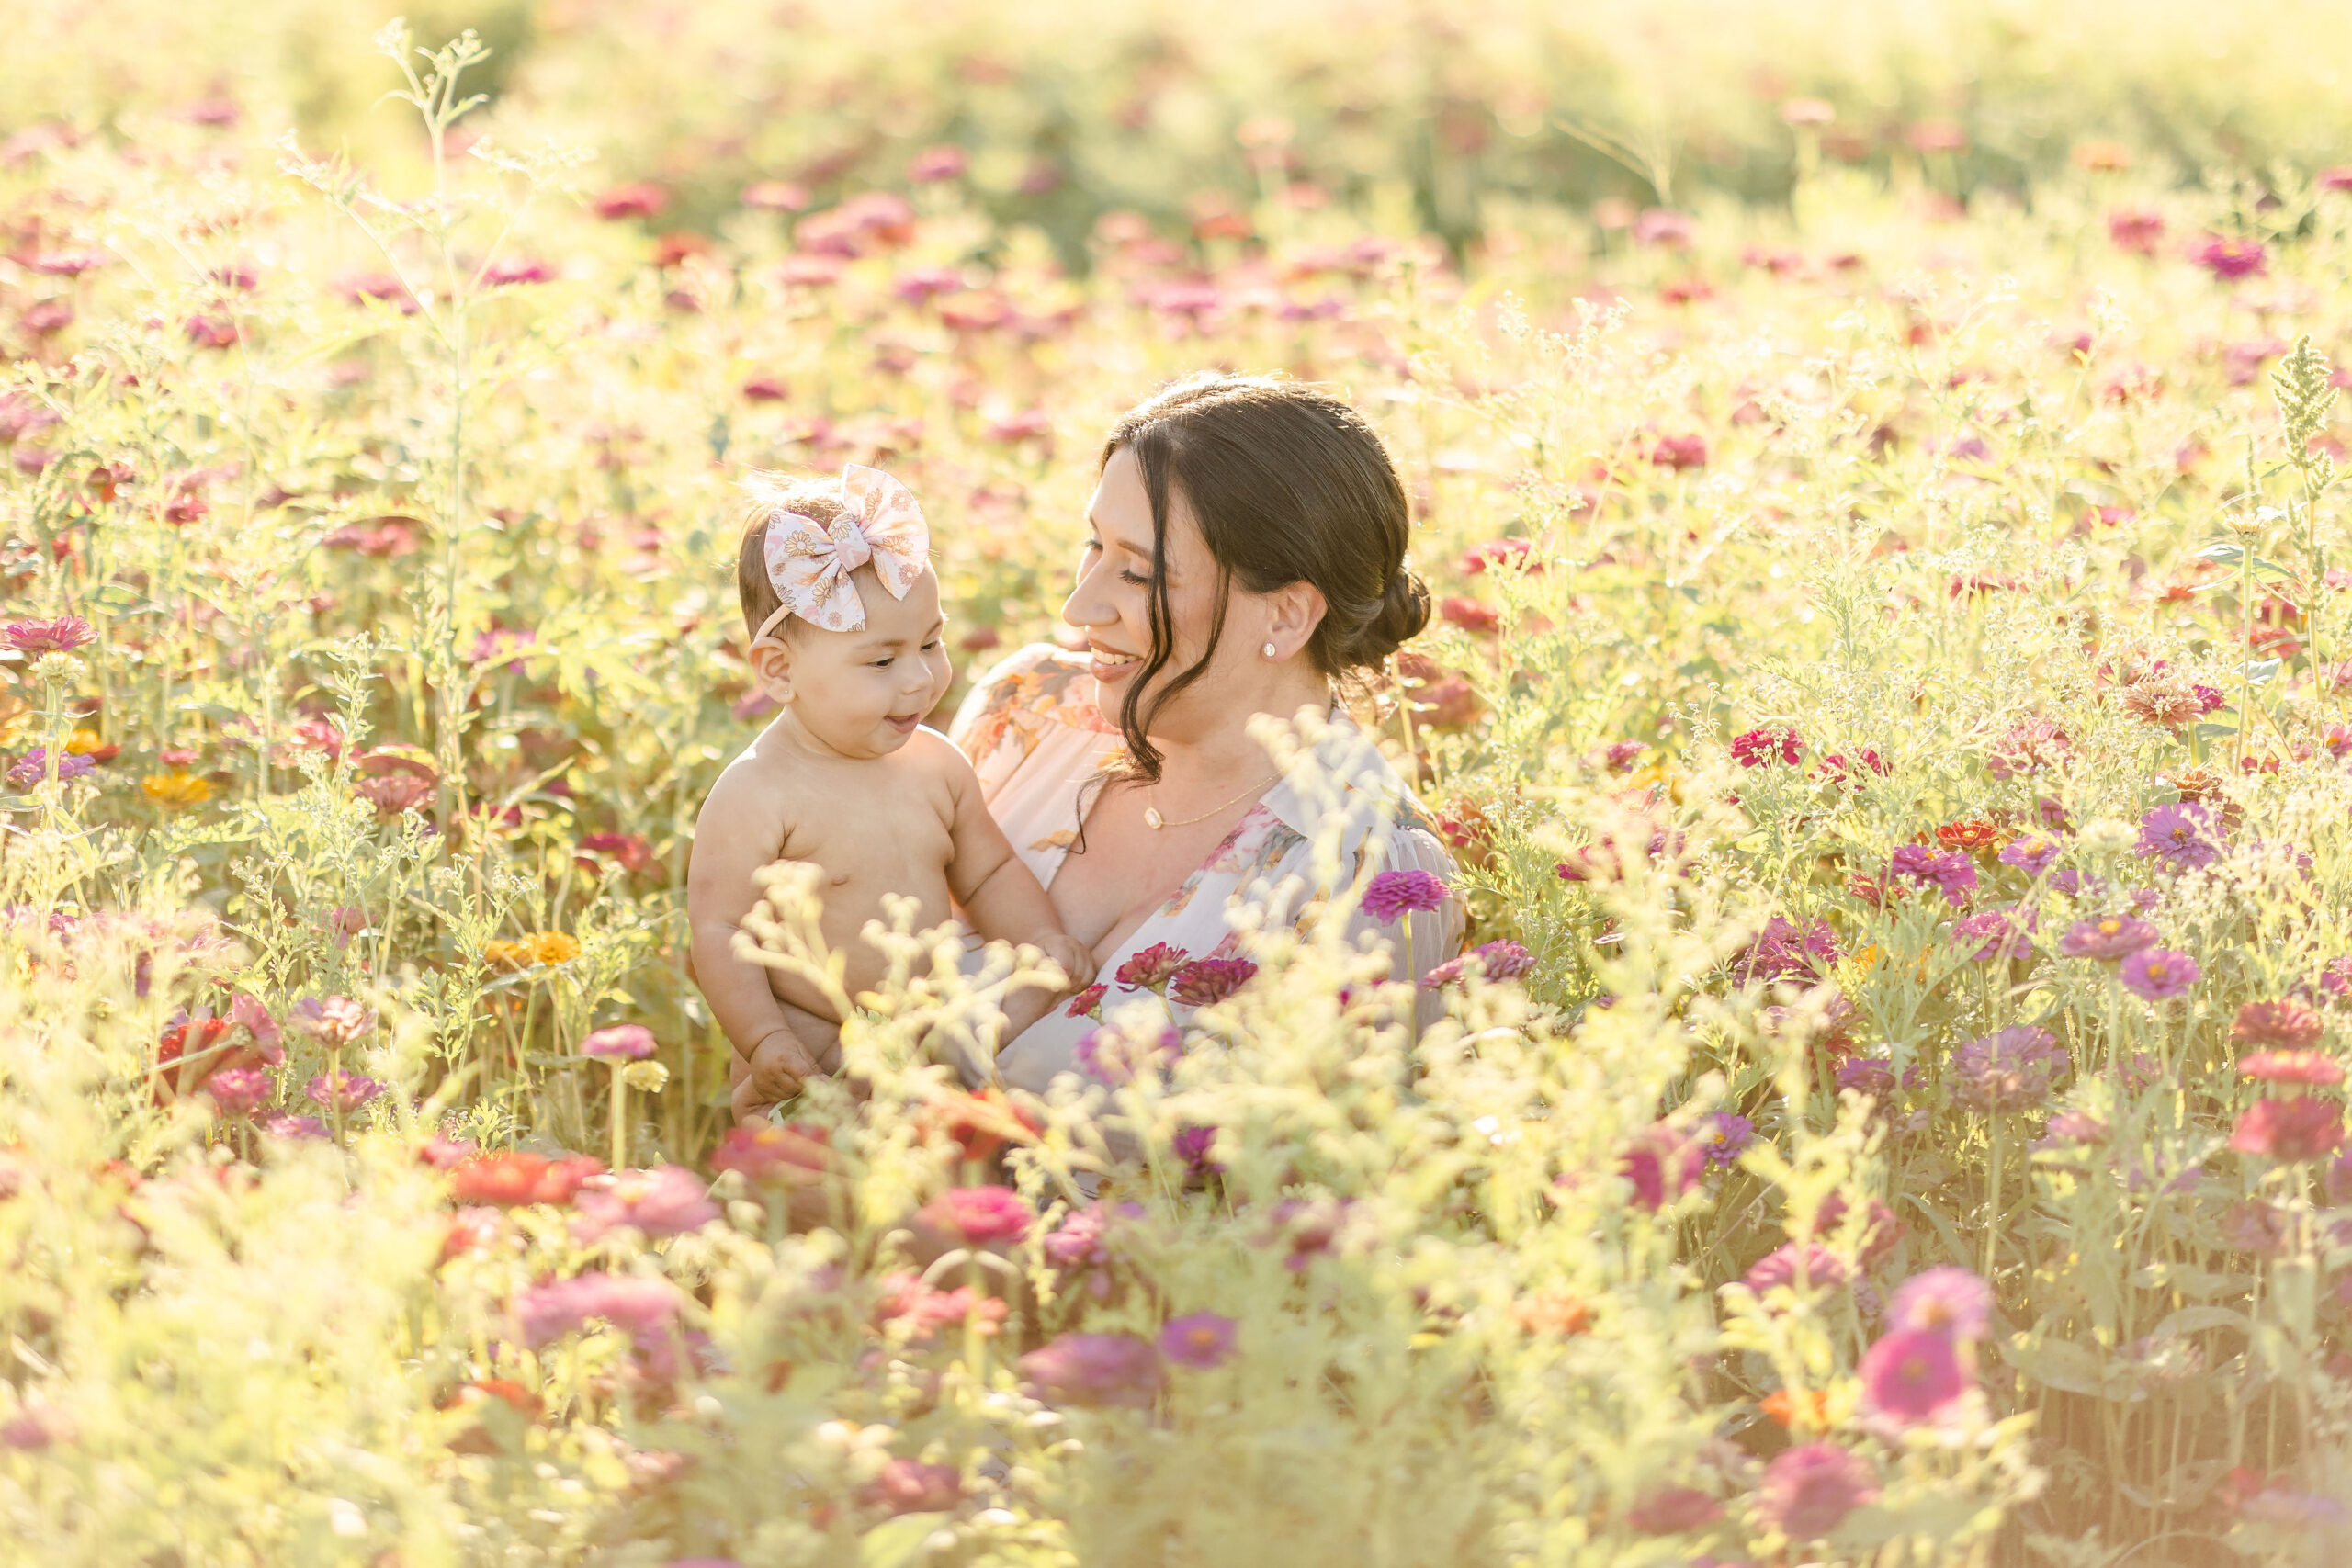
{"type": "Point", "coordinates": [1245, 556]}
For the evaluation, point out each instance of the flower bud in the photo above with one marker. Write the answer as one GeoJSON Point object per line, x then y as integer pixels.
{"type": "Point", "coordinates": [648, 1078]}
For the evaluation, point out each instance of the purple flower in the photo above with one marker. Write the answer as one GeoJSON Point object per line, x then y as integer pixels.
{"type": "Point", "coordinates": [1201, 1340]}
{"type": "Point", "coordinates": [1722, 1137]}
{"type": "Point", "coordinates": [1096, 1368]}
{"type": "Point", "coordinates": [338, 1020]}
{"type": "Point", "coordinates": [1308, 1227]}
{"type": "Point", "coordinates": [1913, 1374]}
{"type": "Point", "coordinates": [1393, 893]}
{"type": "Point", "coordinates": [240, 1090]}
{"type": "Point", "coordinates": [1821, 1269]}
{"type": "Point", "coordinates": [1943, 1299]}
{"type": "Point", "coordinates": [2115, 937]}
{"type": "Point", "coordinates": [33, 767]}
{"type": "Point", "coordinates": [1782, 952]}
{"type": "Point", "coordinates": [2158, 973]}
{"type": "Point", "coordinates": [1873, 1075]}
{"type": "Point", "coordinates": [2032, 856]}
{"type": "Point", "coordinates": [2004, 933]}
{"type": "Point", "coordinates": [621, 1043]}
{"type": "Point", "coordinates": [63, 634]}
{"type": "Point", "coordinates": [2229, 260]}
{"type": "Point", "coordinates": [346, 1092]}
{"type": "Point", "coordinates": [1808, 1490]}
{"type": "Point", "coordinates": [1192, 1144]}
{"type": "Point", "coordinates": [1206, 981]}
{"type": "Point", "coordinates": [667, 1201]}
{"type": "Point", "coordinates": [2008, 1071]}
{"type": "Point", "coordinates": [2178, 835]}
{"type": "Point", "coordinates": [644, 1307]}
{"type": "Point", "coordinates": [1953, 875]}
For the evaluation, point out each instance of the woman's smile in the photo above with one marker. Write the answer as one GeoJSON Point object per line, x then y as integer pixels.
{"type": "Point", "coordinates": [1109, 664]}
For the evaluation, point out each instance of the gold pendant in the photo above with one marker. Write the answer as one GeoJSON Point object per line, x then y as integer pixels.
{"type": "Point", "coordinates": [1152, 818]}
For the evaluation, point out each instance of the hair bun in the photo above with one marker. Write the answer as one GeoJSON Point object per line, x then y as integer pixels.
{"type": "Point", "coordinates": [1403, 611]}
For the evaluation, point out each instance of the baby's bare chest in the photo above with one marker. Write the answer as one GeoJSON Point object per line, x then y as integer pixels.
{"type": "Point", "coordinates": [869, 834]}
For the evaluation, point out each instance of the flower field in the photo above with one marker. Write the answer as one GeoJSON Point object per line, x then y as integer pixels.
{"type": "Point", "coordinates": [1891, 704]}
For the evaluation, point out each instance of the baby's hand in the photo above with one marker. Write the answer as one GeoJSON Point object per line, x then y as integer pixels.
{"type": "Point", "coordinates": [1073, 957]}
{"type": "Point", "coordinates": [772, 1074]}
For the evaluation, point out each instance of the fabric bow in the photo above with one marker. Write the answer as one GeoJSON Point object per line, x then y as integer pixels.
{"type": "Point", "coordinates": [809, 564]}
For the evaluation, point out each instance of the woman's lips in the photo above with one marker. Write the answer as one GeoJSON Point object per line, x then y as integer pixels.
{"type": "Point", "coordinates": [1111, 666]}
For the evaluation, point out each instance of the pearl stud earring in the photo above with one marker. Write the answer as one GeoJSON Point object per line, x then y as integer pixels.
{"type": "Point", "coordinates": [1269, 650]}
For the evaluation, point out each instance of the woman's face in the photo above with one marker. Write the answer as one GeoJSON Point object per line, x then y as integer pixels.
{"type": "Point", "coordinates": [1112, 603]}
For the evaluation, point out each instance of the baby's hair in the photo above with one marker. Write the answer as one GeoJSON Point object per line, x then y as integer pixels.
{"type": "Point", "coordinates": [766, 492]}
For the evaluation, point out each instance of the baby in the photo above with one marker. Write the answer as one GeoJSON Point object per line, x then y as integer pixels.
{"type": "Point", "coordinates": [846, 638]}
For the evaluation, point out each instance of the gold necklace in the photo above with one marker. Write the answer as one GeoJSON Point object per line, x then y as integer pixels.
{"type": "Point", "coordinates": [1154, 821]}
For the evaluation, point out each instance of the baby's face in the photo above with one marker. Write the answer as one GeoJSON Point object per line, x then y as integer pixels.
{"type": "Point", "coordinates": [862, 694]}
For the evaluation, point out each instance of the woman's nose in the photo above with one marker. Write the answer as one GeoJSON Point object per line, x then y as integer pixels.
{"type": "Point", "coordinates": [1084, 607]}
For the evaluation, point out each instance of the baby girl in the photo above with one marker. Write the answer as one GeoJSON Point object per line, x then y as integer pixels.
{"type": "Point", "coordinates": [846, 638]}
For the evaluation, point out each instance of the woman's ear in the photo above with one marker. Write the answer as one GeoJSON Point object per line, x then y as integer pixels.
{"type": "Point", "coordinates": [1293, 612]}
{"type": "Point", "coordinates": [770, 661]}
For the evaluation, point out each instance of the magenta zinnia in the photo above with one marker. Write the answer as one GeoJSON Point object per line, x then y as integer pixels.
{"type": "Point", "coordinates": [1394, 893]}
{"type": "Point", "coordinates": [1913, 1374]}
{"type": "Point", "coordinates": [1201, 1340]}
{"type": "Point", "coordinates": [979, 1216]}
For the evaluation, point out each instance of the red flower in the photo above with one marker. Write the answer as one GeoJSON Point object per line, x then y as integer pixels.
{"type": "Point", "coordinates": [1085, 1001]}
{"type": "Point", "coordinates": [511, 1177]}
{"type": "Point", "coordinates": [1470, 614]}
{"type": "Point", "coordinates": [1149, 969]}
{"type": "Point", "coordinates": [1208, 981]}
{"type": "Point", "coordinates": [1679, 451]}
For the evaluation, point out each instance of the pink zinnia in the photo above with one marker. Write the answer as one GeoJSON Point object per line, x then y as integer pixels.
{"type": "Point", "coordinates": [344, 1091]}
{"type": "Point", "coordinates": [1096, 1368]}
{"type": "Point", "coordinates": [1819, 1266]}
{"type": "Point", "coordinates": [1202, 1340]}
{"type": "Point", "coordinates": [1150, 968]}
{"type": "Point", "coordinates": [2287, 1023]}
{"type": "Point", "coordinates": [667, 1200]}
{"type": "Point", "coordinates": [1663, 1162]}
{"type": "Point", "coordinates": [1913, 1374]}
{"type": "Point", "coordinates": [2290, 1130]}
{"type": "Point", "coordinates": [2290, 1066]}
{"type": "Point", "coordinates": [1808, 1490]}
{"type": "Point", "coordinates": [620, 1042]}
{"type": "Point", "coordinates": [641, 199]}
{"type": "Point", "coordinates": [1394, 893]}
{"type": "Point", "coordinates": [2158, 974]}
{"type": "Point", "coordinates": [1207, 981]}
{"type": "Point", "coordinates": [1760, 746]}
{"type": "Point", "coordinates": [63, 634]}
{"type": "Point", "coordinates": [2135, 230]}
{"type": "Point", "coordinates": [910, 1486]}
{"type": "Point", "coordinates": [2109, 940]}
{"type": "Point", "coordinates": [979, 1216]}
{"type": "Point", "coordinates": [1943, 1299]}
{"type": "Point", "coordinates": [240, 1090]}
{"type": "Point", "coordinates": [2230, 259]}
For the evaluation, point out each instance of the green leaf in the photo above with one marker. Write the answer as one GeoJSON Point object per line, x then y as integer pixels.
{"type": "Point", "coordinates": [2226, 552]}
{"type": "Point", "coordinates": [2259, 672]}
{"type": "Point", "coordinates": [2194, 1319]}
{"type": "Point", "coordinates": [116, 596]}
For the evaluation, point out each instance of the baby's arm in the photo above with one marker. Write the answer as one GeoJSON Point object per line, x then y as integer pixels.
{"type": "Point", "coordinates": [734, 837]}
{"type": "Point", "coordinates": [1000, 896]}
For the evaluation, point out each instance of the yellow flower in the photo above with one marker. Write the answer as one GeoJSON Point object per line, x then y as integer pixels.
{"type": "Point", "coordinates": [82, 742]}
{"type": "Point", "coordinates": [176, 789]}
{"type": "Point", "coordinates": [552, 947]}
{"type": "Point", "coordinates": [532, 947]}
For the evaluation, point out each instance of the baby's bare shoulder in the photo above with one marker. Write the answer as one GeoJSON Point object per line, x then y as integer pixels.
{"type": "Point", "coordinates": [938, 758]}
{"type": "Point", "coordinates": [755, 785]}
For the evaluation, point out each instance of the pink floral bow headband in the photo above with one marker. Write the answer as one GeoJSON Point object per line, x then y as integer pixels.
{"type": "Point", "coordinates": [810, 564]}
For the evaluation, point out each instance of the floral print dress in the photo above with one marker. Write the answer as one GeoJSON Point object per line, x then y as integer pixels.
{"type": "Point", "coordinates": [1032, 731]}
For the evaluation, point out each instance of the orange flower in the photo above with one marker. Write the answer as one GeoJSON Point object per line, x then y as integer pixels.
{"type": "Point", "coordinates": [1975, 836]}
{"type": "Point", "coordinates": [1794, 1408]}
{"type": "Point", "coordinates": [1553, 1311]}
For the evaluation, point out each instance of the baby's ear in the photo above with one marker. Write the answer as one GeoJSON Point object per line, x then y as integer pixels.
{"type": "Point", "coordinates": [770, 661]}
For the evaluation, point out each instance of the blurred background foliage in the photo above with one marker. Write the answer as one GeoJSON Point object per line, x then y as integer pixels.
{"type": "Point", "coordinates": [1409, 110]}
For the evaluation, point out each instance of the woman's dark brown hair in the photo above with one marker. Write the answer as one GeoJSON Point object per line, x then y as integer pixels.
{"type": "Point", "coordinates": [1288, 484]}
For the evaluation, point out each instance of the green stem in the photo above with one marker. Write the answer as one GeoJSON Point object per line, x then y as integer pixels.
{"type": "Point", "coordinates": [621, 1119]}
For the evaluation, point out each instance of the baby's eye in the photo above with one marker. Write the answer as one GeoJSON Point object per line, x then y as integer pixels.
{"type": "Point", "coordinates": [934, 642]}
{"type": "Point", "coordinates": [885, 661]}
